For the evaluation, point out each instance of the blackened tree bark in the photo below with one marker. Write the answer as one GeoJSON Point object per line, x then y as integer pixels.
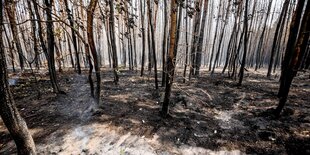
{"type": "Point", "coordinates": [171, 58]}
{"type": "Point", "coordinates": [200, 40]}
{"type": "Point", "coordinates": [195, 38]}
{"type": "Point", "coordinates": [90, 19]}
{"type": "Point", "coordinates": [43, 45]}
{"type": "Point", "coordinates": [295, 49]}
{"type": "Point", "coordinates": [11, 12]}
{"type": "Point", "coordinates": [215, 37]}
{"type": "Point", "coordinates": [112, 36]}
{"type": "Point", "coordinates": [153, 42]}
{"type": "Point", "coordinates": [186, 43]}
{"type": "Point", "coordinates": [221, 38]}
{"type": "Point", "coordinates": [143, 37]}
{"type": "Point", "coordinates": [164, 47]}
{"type": "Point", "coordinates": [261, 38]}
{"type": "Point", "coordinates": [51, 45]}
{"type": "Point", "coordinates": [230, 46]}
{"type": "Point", "coordinates": [8, 111]}
{"type": "Point", "coordinates": [74, 41]}
{"type": "Point", "coordinates": [245, 39]}
{"type": "Point", "coordinates": [277, 35]}
{"type": "Point", "coordinates": [34, 36]}
{"type": "Point", "coordinates": [135, 63]}
{"type": "Point", "coordinates": [129, 38]}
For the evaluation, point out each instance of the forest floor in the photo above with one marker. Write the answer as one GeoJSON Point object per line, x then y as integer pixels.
{"type": "Point", "coordinates": [209, 115]}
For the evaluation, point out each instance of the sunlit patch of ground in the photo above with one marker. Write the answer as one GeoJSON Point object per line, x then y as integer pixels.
{"type": "Point", "coordinates": [209, 115]}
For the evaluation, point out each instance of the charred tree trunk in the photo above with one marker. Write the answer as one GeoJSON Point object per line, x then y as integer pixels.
{"type": "Point", "coordinates": [200, 40]}
{"type": "Point", "coordinates": [230, 46]}
{"type": "Point", "coordinates": [186, 44]}
{"type": "Point", "coordinates": [34, 36]}
{"type": "Point", "coordinates": [74, 41]}
{"type": "Point", "coordinates": [164, 47]}
{"type": "Point", "coordinates": [221, 38]}
{"type": "Point", "coordinates": [90, 17]}
{"type": "Point", "coordinates": [11, 12]}
{"type": "Point", "coordinates": [277, 35]}
{"type": "Point", "coordinates": [171, 58]}
{"type": "Point", "coordinates": [295, 49]}
{"type": "Point", "coordinates": [261, 39]}
{"type": "Point", "coordinates": [112, 36]}
{"type": "Point", "coordinates": [51, 45]}
{"type": "Point", "coordinates": [215, 37]}
{"type": "Point", "coordinates": [8, 111]}
{"type": "Point", "coordinates": [195, 39]}
{"type": "Point", "coordinates": [143, 37]}
{"type": "Point", "coordinates": [149, 48]}
{"type": "Point", "coordinates": [43, 45]}
{"type": "Point", "coordinates": [153, 43]}
{"type": "Point", "coordinates": [245, 39]}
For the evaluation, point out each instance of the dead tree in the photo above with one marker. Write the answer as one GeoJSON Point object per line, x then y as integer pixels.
{"type": "Point", "coordinates": [8, 111]}
{"type": "Point", "coordinates": [112, 36]}
{"type": "Point", "coordinates": [245, 39]}
{"type": "Point", "coordinates": [195, 38]}
{"type": "Point", "coordinates": [277, 36]}
{"type": "Point", "coordinates": [164, 46]}
{"type": "Point", "coordinates": [143, 37]}
{"type": "Point", "coordinates": [51, 45]}
{"type": "Point", "coordinates": [186, 42]}
{"type": "Point", "coordinates": [11, 12]}
{"type": "Point", "coordinates": [171, 58]}
{"type": "Point", "coordinates": [200, 38]}
{"type": "Point", "coordinates": [295, 49]}
{"type": "Point", "coordinates": [90, 18]}
{"type": "Point", "coordinates": [74, 41]}
{"type": "Point", "coordinates": [152, 42]}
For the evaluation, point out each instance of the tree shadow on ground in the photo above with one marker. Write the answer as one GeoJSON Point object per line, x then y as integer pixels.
{"type": "Point", "coordinates": [46, 115]}
{"type": "Point", "coordinates": [208, 112]}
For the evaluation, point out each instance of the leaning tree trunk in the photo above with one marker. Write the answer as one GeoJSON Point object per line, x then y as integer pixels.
{"type": "Point", "coordinates": [214, 40]}
{"type": "Point", "coordinates": [8, 111]}
{"type": "Point", "coordinates": [230, 46]}
{"type": "Point", "coordinates": [277, 35]}
{"type": "Point", "coordinates": [90, 18]}
{"type": "Point", "coordinates": [171, 58]}
{"type": "Point", "coordinates": [221, 38]}
{"type": "Point", "coordinates": [261, 38]}
{"type": "Point", "coordinates": [295, 49]}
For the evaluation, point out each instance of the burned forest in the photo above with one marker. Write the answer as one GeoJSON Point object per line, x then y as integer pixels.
{"type": "Point", "coordinates": [155, 77]}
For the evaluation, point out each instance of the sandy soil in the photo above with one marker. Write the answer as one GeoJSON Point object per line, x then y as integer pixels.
{"type": "Point", "coordinates": [210, 115]}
